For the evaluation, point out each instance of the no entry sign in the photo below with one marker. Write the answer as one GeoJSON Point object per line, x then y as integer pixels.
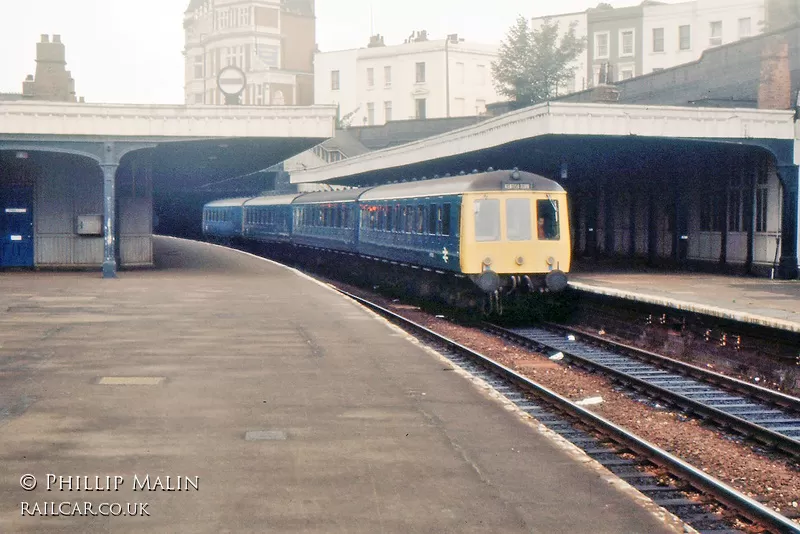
{"type": "Point", "coordinates": [231, 80]}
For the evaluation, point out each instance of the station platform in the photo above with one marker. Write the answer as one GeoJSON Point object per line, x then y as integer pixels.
{"type": "Point", "coordinates": [273, 404]}
{"type": "Point", "coordinates": [758, 301]}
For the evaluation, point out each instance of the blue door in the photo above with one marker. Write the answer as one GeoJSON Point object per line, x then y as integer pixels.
{"type": "Point", "coordinates": [16, 225]}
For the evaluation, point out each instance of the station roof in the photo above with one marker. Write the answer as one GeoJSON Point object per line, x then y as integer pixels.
{"type": "Point", "coordinates": [552, 137]}
{"type": "Point", "coordinates": [189, 147]}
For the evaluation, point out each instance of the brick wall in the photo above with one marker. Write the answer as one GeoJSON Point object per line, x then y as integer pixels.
{"type": "Point", "coordinates": [775, 89]}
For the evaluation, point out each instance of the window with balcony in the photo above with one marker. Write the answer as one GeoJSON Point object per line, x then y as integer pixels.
{"type": "Point", "coordinates": [658, 39]}
{"type": "Point", "coordinates": [420, 69]}
{"type": "Point", "coordinates": [716, 33]}
{"type": "Point", "coordinates": [334, 80]}
{"type": "Point", "coordinates": [685, 37]}
{"type": "Point", "coordinates": [601, 45]}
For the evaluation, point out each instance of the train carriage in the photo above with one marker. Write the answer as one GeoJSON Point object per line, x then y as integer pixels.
{"type": "Point", "coordinates": [222, 219]}
{"type": "Point", "coordinates": [499, 227]}
{"type": "Point", "coordinates": [410, 223]}
{"type": "Point", "coordinates": [516, 224]}
{"type": "Point", "coordinates": [326, 219]}
{"type": "Point", "coordinates": [269, 218]}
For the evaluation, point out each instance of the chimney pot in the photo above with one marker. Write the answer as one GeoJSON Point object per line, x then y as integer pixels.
{"type": "Point", "coordinates": [56, 38]}
{"type": "Point", "coordinates": [45, 38]}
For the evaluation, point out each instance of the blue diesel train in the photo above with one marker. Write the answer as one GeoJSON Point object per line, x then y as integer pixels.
{"type": "Point", "coordinates": [498, 228]}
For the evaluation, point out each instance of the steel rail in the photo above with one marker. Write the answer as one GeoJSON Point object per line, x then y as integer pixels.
{"type": "Point", "coordinates": [730, 383]}
{"type": "Point", "coordinates": [725, 494]}
{"type": "Point", "coordinates": [743, 426]}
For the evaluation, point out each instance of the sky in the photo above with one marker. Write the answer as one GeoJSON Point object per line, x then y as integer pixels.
{"type": "Point", "coordinates": [130, 51]}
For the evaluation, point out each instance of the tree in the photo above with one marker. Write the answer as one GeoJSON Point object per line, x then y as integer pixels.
{"type": "Point", "coordinates": [533, 64]}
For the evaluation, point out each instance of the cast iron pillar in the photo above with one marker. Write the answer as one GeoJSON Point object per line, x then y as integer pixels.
{"type": "Point", "coordinates": [109, 167]}
{"type": "Point", "coordinates": [788, 267]}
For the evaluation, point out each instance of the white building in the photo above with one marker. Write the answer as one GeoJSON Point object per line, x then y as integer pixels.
{"type": "Point", "coordinates": [418, 79]}
{"type": "Point", "coordinates": [271, 41]}
{"type": "Point", "coordinates": [679, 33]}
{"type": "Point", "coordinates": [635, 40]}
{"type": "Point", "coordinates": [564, 21]}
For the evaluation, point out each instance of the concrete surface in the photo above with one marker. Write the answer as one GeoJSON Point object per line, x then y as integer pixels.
{"type": "Point", "coordinates": [298, 410]}
{"type": "Point", "coordinates": [774, 303]}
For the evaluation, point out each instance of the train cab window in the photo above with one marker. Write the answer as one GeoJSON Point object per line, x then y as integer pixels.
{"type": "Point", "coordinates": [487, 220]}
{"type": "Point", "coordinates": [518, 219]}
{"type": "Point", "coordinates": [445, 218]}
{"type": "Point", "coordinates": [547, 219]}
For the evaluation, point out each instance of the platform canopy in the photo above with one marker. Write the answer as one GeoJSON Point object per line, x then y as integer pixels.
{"type": "Point", "coordinates": [187, 146]}
{"type": "Point", "coordinates": [555, 138]}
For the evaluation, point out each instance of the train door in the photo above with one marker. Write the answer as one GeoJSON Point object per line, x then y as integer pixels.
{"type": "Point", "coordinates": [16, 226]}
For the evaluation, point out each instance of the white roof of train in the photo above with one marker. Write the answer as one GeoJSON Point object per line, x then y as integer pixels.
{"type": "Point", "coordinates": [227, 203]}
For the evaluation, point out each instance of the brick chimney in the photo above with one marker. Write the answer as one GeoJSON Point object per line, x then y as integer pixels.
{"type": "Point", "coordinates": [775, 85]}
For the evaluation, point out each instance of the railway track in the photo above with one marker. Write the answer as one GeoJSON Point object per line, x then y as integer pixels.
{"type": "Point", "coordinates": [695, 497]}
{"type": "Point", "coordinates": [767, 416]}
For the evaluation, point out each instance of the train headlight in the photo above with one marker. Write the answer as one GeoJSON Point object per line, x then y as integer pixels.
{"type": "Point", "coordinates": [520, 260]}
{"type": "Point", "coordinates": [551, 260]}
{"type": "Point", "coordinates": [487, 261]}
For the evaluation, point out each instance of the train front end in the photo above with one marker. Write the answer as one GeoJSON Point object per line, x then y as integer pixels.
{"type": "Point", "coordinates": [517, 236]}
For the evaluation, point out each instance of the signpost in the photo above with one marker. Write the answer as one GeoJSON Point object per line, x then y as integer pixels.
{"type": "Point", "coordinates": [231, 81]}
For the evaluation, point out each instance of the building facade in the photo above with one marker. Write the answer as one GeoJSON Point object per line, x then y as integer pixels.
{"type": "Point", "coordinates": [674, 34]}
{"type": "Point", "coordinates": [420, 79]}
{"type": "Point", "coordinates": [271, 41]}
{"type": "Point", "coordinates": [623, 43]}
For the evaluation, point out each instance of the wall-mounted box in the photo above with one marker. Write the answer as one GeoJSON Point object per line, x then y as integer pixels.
{"type": "Point", "coordinates": [89, 225]}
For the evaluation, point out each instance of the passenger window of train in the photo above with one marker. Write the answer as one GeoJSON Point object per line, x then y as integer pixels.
{"type": "Point", "coordinates": [389, 218]}
{"type": "Point", "coordinates": [420, 219]}
{"type": "Point", "coordinates": [547, 219]}
{"type": "Point", "coordinates": [445, 219]}
{"type": "Point", "coordinates": [345, 217]}
{"type": "Point", "coordinates": [518, 219]}
{"type": "Point", "coordinates": [487, 220]}
{"type": "Point", "coordinates": [398, 223]}
{"type": "Point", "coordinates": [432, 219]}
